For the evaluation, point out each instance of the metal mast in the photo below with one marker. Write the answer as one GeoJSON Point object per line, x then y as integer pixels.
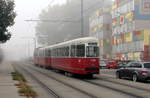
{"type": "Point", "coordinates": [82, 20]}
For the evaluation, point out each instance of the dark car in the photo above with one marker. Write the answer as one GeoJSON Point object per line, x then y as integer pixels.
{"type": "Point", "coordinates": [135, 71]}
{"type": "Point", "coordinates": [121, 66]}
{"type": "Point", "coordinates": [123, 63]}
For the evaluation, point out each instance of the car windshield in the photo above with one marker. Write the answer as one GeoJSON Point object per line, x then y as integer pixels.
{"type": "Point", "coordinates": [147, 65]}
{"type": "Point", "coordinates": [122, 64]}
{"type": "Point", "coordinates": [102, 62]}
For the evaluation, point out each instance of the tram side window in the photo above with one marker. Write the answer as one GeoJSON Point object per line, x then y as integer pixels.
{"type": "Point", "coordinates": [45, 53]}
{"type": "Point", "coordinates": [49, 53]}
{"type": "Point", "coordinates": [35, 53]}
{"type": "Point", "coordinates": [58, 52]}
{"type": "Point", "coordinates": [53, 52]}
{"type": "Point", "coordinates": [40, 54]}
{"type": "Point", "coordinates": [66, 51]}
{"type": "Point", "coordinates": [61, 51]}
{"type": "Point", "coordinates": [80, 50]}
{"type": "Point", "coordinates": [73, 51]}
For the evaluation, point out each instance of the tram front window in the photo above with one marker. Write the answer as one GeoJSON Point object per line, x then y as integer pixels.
{"type": "Point", "coordinates": [92, 51]}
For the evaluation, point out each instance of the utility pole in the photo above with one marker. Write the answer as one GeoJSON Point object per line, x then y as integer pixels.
{"type": "Point", "coordinates": [28, 48]}
{"type": "Point", "coordinates": [33, 38]}
{"type": "Point", "coordinates": [82, 19]}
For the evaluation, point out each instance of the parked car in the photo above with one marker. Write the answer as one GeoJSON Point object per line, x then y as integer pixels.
{"type": "Point", "coordinates": [121, 66]}
{"type": "Point", "coordinates": [123, 63]}
{"type": "Point", "coordinates": [103, 63]}
{"type": "Point", "coordinates": [112, 64]}
{"type": "Point", "coordinates": [135, 71]}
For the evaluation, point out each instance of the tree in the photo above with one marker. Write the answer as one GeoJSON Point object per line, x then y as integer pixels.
{"type": "Point", "coordinates": [7, 16]}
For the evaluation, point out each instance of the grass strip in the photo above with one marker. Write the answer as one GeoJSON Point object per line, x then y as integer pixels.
{"type": "Point", "coordinates": [24, 90]}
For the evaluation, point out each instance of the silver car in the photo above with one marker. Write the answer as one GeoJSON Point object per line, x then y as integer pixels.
{"type": "Point", "coordinates": [135, 71]}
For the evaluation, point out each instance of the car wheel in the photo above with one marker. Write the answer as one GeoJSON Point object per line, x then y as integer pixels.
{"type": "Point", "coordinates": [134, 78]}
{"type": "Point", "coordinates": [118, 76]}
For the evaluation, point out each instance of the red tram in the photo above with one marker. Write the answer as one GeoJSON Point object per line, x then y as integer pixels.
{"type": "Point", "coordinates": [79, 56]}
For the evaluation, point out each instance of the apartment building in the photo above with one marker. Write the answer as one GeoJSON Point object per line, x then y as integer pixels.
{"type": "Point", "coordinates": [131, 30]}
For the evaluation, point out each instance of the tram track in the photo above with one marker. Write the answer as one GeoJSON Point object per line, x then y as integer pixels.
{"type": "Point", "coordinates": [123, 84]}
{"type": "Point", "coordinates": [116, 89]}
{"type": "Point", "coordinates": [45, 87]}
{"type": "Point", "coordinates": [66, 84]}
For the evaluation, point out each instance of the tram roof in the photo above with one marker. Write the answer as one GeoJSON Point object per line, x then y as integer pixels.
{"type": "Point", "coordinates": [75, 41]}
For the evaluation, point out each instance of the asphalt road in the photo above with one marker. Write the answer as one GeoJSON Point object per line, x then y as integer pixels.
{"type": "Point", "coordinates": [108, 72]}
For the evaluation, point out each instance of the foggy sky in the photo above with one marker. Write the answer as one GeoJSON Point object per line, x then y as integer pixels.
{"type": "Point", "coordinates": [20, 45]}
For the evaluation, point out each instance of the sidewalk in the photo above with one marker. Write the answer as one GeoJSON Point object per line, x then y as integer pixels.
{"type": "Point", "coordinates": [7, 87]}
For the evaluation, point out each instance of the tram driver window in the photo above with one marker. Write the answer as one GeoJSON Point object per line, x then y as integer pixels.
{"type": "Point", "coordinates": [92, 51]}
{"type": "Point", "coordinates": [80, 50]}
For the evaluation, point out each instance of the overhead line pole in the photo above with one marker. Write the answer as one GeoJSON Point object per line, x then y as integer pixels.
{"type": "Point", "coordinates": [82, 20]}
{"type": "Point", "coordinates": [33, 38]}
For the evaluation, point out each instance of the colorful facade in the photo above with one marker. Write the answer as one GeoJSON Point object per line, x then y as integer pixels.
{"type": "Point", "coordinates": [124, 32]}
{"type": "Point", "coordinates": [100, 27]}
{"type": "Point", "coordinates": [131, 30]}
